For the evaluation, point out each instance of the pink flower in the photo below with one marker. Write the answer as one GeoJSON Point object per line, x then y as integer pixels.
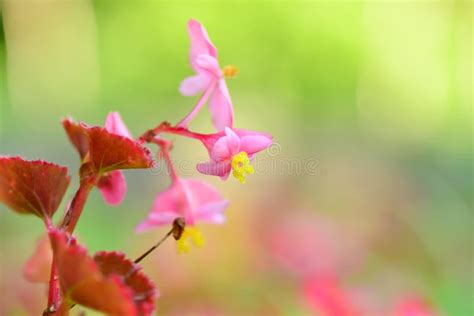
{"type": "Point", "coordinates": [209, 79]}
{"type": "Point", "coordinates": [112, 185]}
{"type": "Point", "coordinates": [232, 151]}
{"type": "Point", "coordinates": [414, 306]}
{"type": "Point", "coordinates": [326, 298]}
{"type": "Point", "coordinates": [191, 199]}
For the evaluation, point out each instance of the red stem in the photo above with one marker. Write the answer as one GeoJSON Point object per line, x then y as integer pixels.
{"type": "Point", "coordinates": [54, 295]}
{"type": "Point", "coordinates": [77, 205]}
{"type": "Point", "coordinates": [166, 128]}
{"type": "Point", "coordinates": [69, 223]}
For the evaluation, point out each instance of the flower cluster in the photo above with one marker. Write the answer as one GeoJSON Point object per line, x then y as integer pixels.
{"type": "Point", "coordinates": [108, 281]}
{"type": "Point", "coordinates": [230, 149]}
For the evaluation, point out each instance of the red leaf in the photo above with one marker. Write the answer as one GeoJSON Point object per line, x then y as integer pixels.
{"type": "Point", "coordinates": [32, 187]}
{"type": "Point", "coordinates": [77, 134]}
{"type": "Point", "coordinates": [111, 263]}
{"type": "Point", "coordinates": [111, 152]}
{"type": "Point", "coordinates": [107, 151]}
{"type": "Point", "coordinates": [113, 285]}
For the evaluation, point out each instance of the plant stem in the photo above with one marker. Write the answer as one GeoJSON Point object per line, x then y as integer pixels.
{"type": "Point", "coordinates": [69, 223]}
{"type": "Point", "coordinates": [150, 136]}
{"type": "Point", "coordinates": [77, 205]}
{"type": "Point", "coordinates": [143, 256]}
{"type": "Point", "coordinates": [202, 100]}
{"type": "Point", "coordinates": [54, 295]}
{"type": "Point", "coordinates": [165, 154]}
{"type": "Point", "coordinates": [176, 231]}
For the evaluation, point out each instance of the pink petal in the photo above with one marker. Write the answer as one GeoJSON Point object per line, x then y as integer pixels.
{"type": "Point", "coordinates": [212, 212]}
{"type": "Point", "coordinates": [326, 297]}
{"type": "Point", "coordinates": [170, 200]}
{"type": "Point", "coordinates": [225, 176]}
{"type": "Point", "coordinates": [200, 193]}
{"type": "Point", "coordinates": [157, 219]}
{"type": "Point", "coordinates": [414, 306]}
{"type": "Point", "coordinates": [220, 106]}
{"type": "Point", "coordinates": [209, 64]}
{"type": "Point", "coordinates": [244, 132]}
{"type": "Point", "coordinates": [200, 42]}
{"type": "Point", "coordinates": [192, 199]}
{"type": "Point", "coordinates": [205, 202]}
{"type": "Point", "coordinates": [254, 143]}
{"type": "Point", "coordinates": [113, 187]}
{"type": "Point", "coordinates": [115, 125]}
{"type": "Point", "coordinates": [233, 140]}
{"type": "Point", "coordinates": [213, 168]}
{"type": "Point", "coordinates": [168, 205]}
{"type": "Point", "coordinates": [194, 84]}
{"type": "Point", "coordinates": [221, 151]}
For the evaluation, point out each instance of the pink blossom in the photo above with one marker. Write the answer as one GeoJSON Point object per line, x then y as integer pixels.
{"type": "Point", "coordinates": [112, 185]}
{"type": "Point", "coordinates": [232, 150]}
{"type": "Point", "coordinates": [326, 298]}
{"type": "Point", "coordinates": [209, 79]}
{"type": "Point", "coordinates": [414, 306]}
{"type": "Point", "coordinates": [192, 199]}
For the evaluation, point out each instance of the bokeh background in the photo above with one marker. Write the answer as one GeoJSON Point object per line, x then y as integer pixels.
{"type": "Point", "coordinates": [369, 180]}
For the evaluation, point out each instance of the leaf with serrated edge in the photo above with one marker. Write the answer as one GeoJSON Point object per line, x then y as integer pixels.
{"type": "Point", "coordinates": [107, 151]}
{"type": "Point", "coordinates": [108, 283]}
{"type": "Point", "coordinates": [77, 134]}
{"type": "Point", "coordinates": [32, 187]}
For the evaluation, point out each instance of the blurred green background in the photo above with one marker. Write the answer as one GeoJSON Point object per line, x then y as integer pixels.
{"type": "Point", "coordinates": [370, 105]}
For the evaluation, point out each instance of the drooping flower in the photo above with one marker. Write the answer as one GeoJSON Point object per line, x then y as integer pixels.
{"type": "Point", "coordinates": [232, 150]}
{"type": "Point", "coordinates": [209, 79]}
{"type": "Point", "coordinates": [192, 199]}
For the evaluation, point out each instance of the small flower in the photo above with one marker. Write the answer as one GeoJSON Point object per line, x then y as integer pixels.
{"type": "Point", "coordinates": [232, 151]}
{"type": "Point", "coordinates": [192, 199]}
{"type": "Point", "coordinates": [209, 78]}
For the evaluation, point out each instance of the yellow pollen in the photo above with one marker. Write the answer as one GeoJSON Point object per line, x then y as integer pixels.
{"type": "Point", "coordinates": [230, 71]}
{"type": "Point", "coordinates": [190, 236]}
{"type": "Point", "coordinates": [241, 166]}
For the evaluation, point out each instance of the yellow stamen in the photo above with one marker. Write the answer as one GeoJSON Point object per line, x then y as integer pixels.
{"type": "Point", "coordinates": [230, 71]}
{"type": "Point", "coordinates": [241, 166]}
{"type": "Point", "coordinates": [191, 235]}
